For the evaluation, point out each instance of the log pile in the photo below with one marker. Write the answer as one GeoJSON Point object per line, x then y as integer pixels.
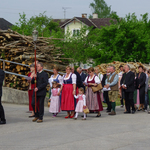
{"type": "Point", "coordinates": [133, 66]}
{"type": "Point", "coordinates": [18, 48]}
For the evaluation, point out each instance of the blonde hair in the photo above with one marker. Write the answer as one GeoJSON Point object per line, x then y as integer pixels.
{"type": "Point", "coordinates": [68, 67]}
{"type": "Point", "coordinates": [97, 68]}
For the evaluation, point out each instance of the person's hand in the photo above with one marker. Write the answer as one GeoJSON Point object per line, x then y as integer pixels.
{"type": "Point", "coordinates": [139, 86]}
{"type": "Point", "coordinates": [104, 86]}
{"type": "Point", "coordinates": [29, 81]}
{"type": "Point", "coordinates": [107, 86]}
{"type": "Point", "coordinates": [49, 100]}
{"type": "Point", "coordinates": [74, 92]}
{"type": "Point", "coordinates": [36, 89]}
{"type": "Point", "coordinates": [123, 86]}
{"type": "Point", "coordinates": [145, 92]}
{"type": "Point", "coordinates": [34, 75]}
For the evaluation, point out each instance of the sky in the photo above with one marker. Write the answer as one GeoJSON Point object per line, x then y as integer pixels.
{"type": "Point", "coordinates": [10, 9]}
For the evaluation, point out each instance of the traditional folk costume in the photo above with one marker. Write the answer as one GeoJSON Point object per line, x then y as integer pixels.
{"type": "Point", "coordinates": [93, 100]}
{"type": "Point", "coordinates": [80, 104]}
{"type": "Point", "coordinates": [100, 76]}
{"type": "Point", "coordinates": [55, 101]}
{"type": "Point", "coordinates": [68, 102]}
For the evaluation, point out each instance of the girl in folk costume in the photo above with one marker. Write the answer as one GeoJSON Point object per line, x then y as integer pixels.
{"type": "Point", "coordinates": [55, 99]}
{"type": "Point", "coordinates": [81, 103]}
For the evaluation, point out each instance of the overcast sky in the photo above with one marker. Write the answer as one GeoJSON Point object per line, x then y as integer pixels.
{"type": "Point", "coordinates": [10, 9]}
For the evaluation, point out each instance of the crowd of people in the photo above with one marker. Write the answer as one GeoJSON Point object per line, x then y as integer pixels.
{"type": "Point", "coordinates": [73, 91]}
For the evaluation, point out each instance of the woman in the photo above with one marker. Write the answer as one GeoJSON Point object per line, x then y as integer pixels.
{"type": "Point", "coordinates": [93, 100]}
{"type": "Point", "coordinates": [100, 76]}
{"type": "Point", "coordinates": [55, 77]}
{"type": "Point", "coordinates": [31, 87]}
{"type": "Point", "coordinates": [148, 72]}
{"type": "Point", "coordinates": [140, 82]}
{"type": "Point", "coordinates": [68, 89]}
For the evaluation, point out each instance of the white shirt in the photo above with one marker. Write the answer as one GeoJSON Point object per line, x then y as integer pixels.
{"type": "Point", "coordinates": [83, 96]}
{"type": "Point", "coordinates": [51, 79]}
{"type": "Point", "coordinates": [96, 79]}
{"type": "Point", "coordinates": [100, 76]}
{"type": "Point", "coordinates": [74, 77]}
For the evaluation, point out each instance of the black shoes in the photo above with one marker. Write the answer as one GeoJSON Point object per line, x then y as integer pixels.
{"type": "Point", "coordinates": [133, 111]}
{"type": "Point", "coordinates": [2, 122]}
{"type": "Point", "coordinates": [108, 111]}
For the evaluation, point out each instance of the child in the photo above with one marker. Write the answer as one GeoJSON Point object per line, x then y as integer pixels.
{"type": "Point", "coordinates": [81, 103]}
{"type": "Point", "coordinates": [55, 101]}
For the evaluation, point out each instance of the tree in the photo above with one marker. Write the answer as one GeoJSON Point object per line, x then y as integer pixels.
{"type": "Point", "coordinates": [101, 8]}
{"type": "Point", "coordinates": [44, 25]}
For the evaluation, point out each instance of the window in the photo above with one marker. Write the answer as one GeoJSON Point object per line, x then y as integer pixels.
{"type": "Point", "coordinates": [76, 32]}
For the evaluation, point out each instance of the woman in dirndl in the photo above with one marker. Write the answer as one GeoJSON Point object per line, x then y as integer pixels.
{"type": "Point", "coordinates": [93, 100]}
{"type": "Point", "coordinates": [68, 89]}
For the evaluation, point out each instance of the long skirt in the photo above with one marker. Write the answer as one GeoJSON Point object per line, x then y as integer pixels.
{"type": "Point", "coordinates": [79, 106]}
{"type": "Point", "coordinates": [67, 98]}
{"type": "Point", "coordinates": [93, 100]}
{"type": "Point", "coordinates": [30, 93]}
{"type": "Point", "coordinates": [142, 95]}
{"type": "Point", "coordinates": [55, 105]}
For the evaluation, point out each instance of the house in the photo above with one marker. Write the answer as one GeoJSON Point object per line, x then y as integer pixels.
{"type": "Point", "coordinates": [4, 24]}
{"type": "Point", "coordinates": [75, 24]}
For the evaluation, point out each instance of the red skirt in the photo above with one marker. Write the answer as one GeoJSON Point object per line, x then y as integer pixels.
{"type": "Point", "coordinates": [30, 93]}
{"type": "Point", "coordinates": [67, 98]}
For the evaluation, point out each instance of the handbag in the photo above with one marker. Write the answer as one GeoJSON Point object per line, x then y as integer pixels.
{"type": "Point", "coordinates": [97, 88]}
{"type": "Point", "coordinates": [85, 109]}
{"type": "Point", "coordinates": [49, 103]}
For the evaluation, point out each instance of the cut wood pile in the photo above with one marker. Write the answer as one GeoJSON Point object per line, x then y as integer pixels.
{"type": "Point", "coordinates": [133, 66]}
{"type": "Point", "coordinates": [18, 48]}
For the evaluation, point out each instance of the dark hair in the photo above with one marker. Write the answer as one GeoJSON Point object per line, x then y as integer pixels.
{"type": "Point", "coordinates": [140, 66]}
{"type": "Point", "coordinates": [41, 64]}
{"type": "Point", "coordinates": [120, 66]}
{"type": "Point", "coordinates": [56, 68]}
{"type": "Point", "coordinates": [148, 71]}
{"type": "Point", "coordinates": [81, 89]}
{"type": "Point", "coordinates": [91, 69]}
{"type": "Point", "coordinates": [54, 82]}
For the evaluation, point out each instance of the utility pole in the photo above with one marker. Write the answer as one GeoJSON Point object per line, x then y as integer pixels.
{"type": "Point", "coordinates": [65, 8]}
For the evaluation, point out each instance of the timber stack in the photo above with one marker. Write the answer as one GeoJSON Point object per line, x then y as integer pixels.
{"type": "Point", "coordinates": [19, 48]}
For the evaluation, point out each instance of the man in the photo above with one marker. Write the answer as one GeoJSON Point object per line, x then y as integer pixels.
{"type": "Point", "coordinates": [105, 94]}
{"type": "Point", "coordinates": [127, 84]}
{"type": "Point", "coordinates": [78, 82]}
{"type": "Point", "coordinates": [112, 83]}
{"type": "Point", "coordinates": [42, 81]}
{"type": "Point", "coordinates": [2, 114]}
{"type": "Point", "coordinates": [83, 76]}
{"type": "Point", "coordinates": [120, 90]}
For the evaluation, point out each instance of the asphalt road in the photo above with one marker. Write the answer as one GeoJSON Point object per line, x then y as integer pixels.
{"type": "Point", "coordinates": [120, 132]}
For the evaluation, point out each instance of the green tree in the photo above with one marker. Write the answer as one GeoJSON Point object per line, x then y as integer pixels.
{"type": "Point", "coordinates": [101, 8]}
{"type": "Point", "coordinates": [44, 25]}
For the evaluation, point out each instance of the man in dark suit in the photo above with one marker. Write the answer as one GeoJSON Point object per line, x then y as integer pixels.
{"type": "Point", "coordinates": [42, 81]}
{"type": "Point", "coordinates": [127, 83]}
{"type": "Point", "coordinates": [82, 75]}
{"type": "Point", "coordinates": [105, 93]}
{"type": "Point", "coordinates": [2, 114]}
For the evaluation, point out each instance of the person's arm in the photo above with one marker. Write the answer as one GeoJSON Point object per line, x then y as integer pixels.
{"type": "Point", "coordinates": [115, 81]}
{"type": "Point", "coordinates": [45, 82]}
{"type": "Point", "coordinates": [74, 79]}
{"type": "Point", "coordinates": [76, 96]}
{"type": "Point", "coordinates": [84, 100]}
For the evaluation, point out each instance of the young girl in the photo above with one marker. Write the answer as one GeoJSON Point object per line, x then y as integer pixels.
{"type": "Point", "coordinates": [81, 103]}
{"type": "Point", "coordinates": [54, 99]}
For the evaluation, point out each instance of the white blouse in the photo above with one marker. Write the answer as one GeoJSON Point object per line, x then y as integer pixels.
{"type": "Point", "coordinates": [96, 79]}
{"type": "Point", "coordinates": [74, 77]}
{"type": "Point", "coordinates": [83, 96]}
{"type": "Point", "coordinates": [51, 79]}
{"type": "Point", "coordinates": [100, 76]}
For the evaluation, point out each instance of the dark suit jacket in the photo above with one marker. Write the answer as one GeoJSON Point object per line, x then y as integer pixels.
{"type": "Point", "coordinates": [141, 81]}
{"type": "Point", "coordinates": [103, 80]}
{"type": "Point", "coordinates": [83, 76]}
{"type": "Point", "coordinates": [128, 80]}
{"type": "Point", "coordinates": [2, 76]}
{"type": "Point", "coordinates": [78, 81]}
{"type": "Point", "coordinates": [42, 81]}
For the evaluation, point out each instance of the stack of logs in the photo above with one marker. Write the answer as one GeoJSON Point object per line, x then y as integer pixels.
{"type": "Point", "coordinates": [18, 48]}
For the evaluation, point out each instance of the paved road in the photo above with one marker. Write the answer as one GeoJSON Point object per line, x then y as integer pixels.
{"type": "Point", "coordinates": [120, 132]}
